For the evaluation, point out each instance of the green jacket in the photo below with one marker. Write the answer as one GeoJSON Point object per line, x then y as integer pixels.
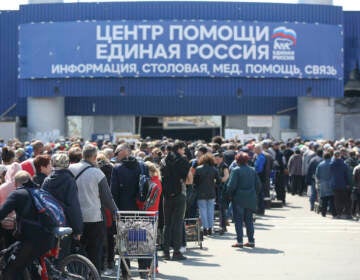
{"type": "Point", "coordinates": [242, 187]}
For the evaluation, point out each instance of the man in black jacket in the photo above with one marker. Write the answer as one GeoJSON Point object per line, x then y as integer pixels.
{"type": "Point", "coordinates": [35, 240]}
{"type": "Point", "coordinates": [125, 187]}
{"type": "Point", "coordinates": [125, 179]}
{"type": "Point", "coordinates": [174, 168]}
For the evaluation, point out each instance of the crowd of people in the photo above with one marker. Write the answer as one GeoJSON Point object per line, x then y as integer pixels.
{"type": "Point", "coordinates": [94, 180]}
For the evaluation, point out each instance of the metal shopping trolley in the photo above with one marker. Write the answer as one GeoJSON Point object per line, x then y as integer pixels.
{"type": "Point", "coordinates": [136, 238]}
{"type": "Point", "coordinates": [193, 231]}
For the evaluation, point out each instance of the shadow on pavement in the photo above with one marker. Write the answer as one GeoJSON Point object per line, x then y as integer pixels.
{"type": "Point", "coordinates": [261, 228]}
{"type": "Point", "coordinates": [263, 225]}
{"type": "Point", "coordinates": [292, 207]}
{"type": "Point", "coordinates": [225, 236]}
{"type": "Point", "coordinates": [194, 261]}
{"type": "Point", "coordinates": [259, 250]}
{"type": "Point", "coordinates": [172, 277]}
{"type": "Point", "coordinates": [269, 216]}
{"type": "Point", "coordinates": [192, 253]}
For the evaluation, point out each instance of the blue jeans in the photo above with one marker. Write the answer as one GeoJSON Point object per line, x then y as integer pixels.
{"type": "Point", "coordinates": [313, 196]}
{"type": "Point", "coordinates": [243, 215]}
{"type": "Point", "coordinates": [206, 209]}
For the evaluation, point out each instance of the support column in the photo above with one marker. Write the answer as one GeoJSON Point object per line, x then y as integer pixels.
{"type": "Point", "coordinates": [316, 116]}
{"type": "Point", "coordinates": [45, 117]}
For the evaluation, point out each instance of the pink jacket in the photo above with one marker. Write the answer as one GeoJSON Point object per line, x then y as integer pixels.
{"type": "Point", "coordinates": [9, 185]}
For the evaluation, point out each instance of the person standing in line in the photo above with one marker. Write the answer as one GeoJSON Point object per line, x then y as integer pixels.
{"type": "Point", "coordinates": [125, 185]}
{"type": "Point", "coordinates": [242, 187]}
{"type": "Point", "coordinates": [260, 169]}
{"type": "Point", "coordinates": [323, 181]}
{"type": "Point", "coordinates": [310, 177]}
{"type": "Point", "coordinates": [61, 184]}
{"type": "Point", "coordinates": [151, 203]}
{"type": "Point", "coordinates": [43, 168]}
{"type": "Point", "coordinates": [279, 166]}
{"type": "Point", "coordinates": [223, 203]}
{"type": "Point", "coordinates": [355, 208]}
{"type": "Point", "coordinates": [8, 224]}
{"type": "Point", "coordinates": [269, 165]}
{"type": "Point", "coordinates": [109, 256]}
{"type": "Point", "coordinates": [287, 152]}
{"type": "Point", "coordinates": [352, 161]}
{"type": "Point", "coordinates": [205, 179]}
{"type": "Point", "coordinates": [28, 165]}
{"type": "Point", "coordinates": [295, 172]}
{"type": "Point", "coordinates": [94, 195]}
{"type": "Point", "coordinates": [174, 169]}
{"type": "Point", "coordinates": [340, 185]}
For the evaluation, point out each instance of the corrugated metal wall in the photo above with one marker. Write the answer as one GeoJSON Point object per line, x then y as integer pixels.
{"type": "Point", "coordinates": [169, 105]}
{"type": "Point", "coordinates": [206, 87]}
{"type": "Point", "coordinates": [182, 10]}
{"type": "Point", "coordinates": [8, 60]}
{"type": "Point", "coordinates": [201, 95]}
{"type": "Point", "coordinates": [351, 42]}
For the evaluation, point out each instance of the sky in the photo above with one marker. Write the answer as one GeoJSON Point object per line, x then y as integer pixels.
{"type": "Point", "coordinates": [348, 5]}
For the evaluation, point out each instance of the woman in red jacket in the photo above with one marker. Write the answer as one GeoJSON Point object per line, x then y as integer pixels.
{"type": "Point", "coordinates": [151, 204]}
{"type": "Point", "coordinates": [153, 198]}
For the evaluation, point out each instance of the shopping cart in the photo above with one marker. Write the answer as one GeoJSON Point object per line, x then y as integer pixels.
{"type": "Point", "coordinates": [136, 239]}
{"type": "Point", "coordinates": [193, 231]}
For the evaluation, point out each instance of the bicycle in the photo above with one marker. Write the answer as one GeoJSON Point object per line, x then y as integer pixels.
{"type": "Point", "coordinates": [72, 267]}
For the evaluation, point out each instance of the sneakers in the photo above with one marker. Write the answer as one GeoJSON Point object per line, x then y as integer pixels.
{"type": "Point", "coordinates": [126, 276]}
{"type": "Point", "coordinates": [237, 245]}
{"type": "Point", "coordinates": [144, 275]}
{"type": "Point", "coordinates": [167, 255]}
{"type": "Point", "coordinates": [183, 249]}
{"type": "Point", "coordinates": [250, 244]}
{"type": "Point", "coordinates": [177, 256]}
{"type": "Point", "coordinates": [108, 272]}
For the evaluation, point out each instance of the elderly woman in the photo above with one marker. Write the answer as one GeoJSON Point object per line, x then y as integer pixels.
{"type": "Point", "coordinates": [241, 189]}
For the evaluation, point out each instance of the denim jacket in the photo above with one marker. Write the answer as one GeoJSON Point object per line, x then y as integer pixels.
{"type": "Point", "coordinates": [323, 178]}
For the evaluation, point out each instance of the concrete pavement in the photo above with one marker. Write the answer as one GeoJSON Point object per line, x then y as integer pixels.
{"type": "Point", "coordinates": [291, 243]}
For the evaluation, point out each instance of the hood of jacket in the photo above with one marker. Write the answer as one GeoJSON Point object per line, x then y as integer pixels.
{"type": "Point", "coordinates": [11, 171]}
{"type": "Point", "coordinates": [130, 162]}
{"type": "Point", "coordinates": [352, 162]}
{"type": "Point", "coordinates": [57, 178]}
{"type": "Point", "coordinates": [337, 162]}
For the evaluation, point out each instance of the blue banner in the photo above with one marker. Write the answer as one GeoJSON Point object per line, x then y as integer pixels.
{"type": "Point", "coordinates": [180, 49]}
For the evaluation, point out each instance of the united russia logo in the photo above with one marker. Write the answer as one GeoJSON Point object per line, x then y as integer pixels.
{"type": "Point", "coordinates": [285, 40]}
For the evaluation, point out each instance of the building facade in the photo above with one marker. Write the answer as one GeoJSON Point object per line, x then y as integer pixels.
{"type": "Point", "coordinates": [95, 68]}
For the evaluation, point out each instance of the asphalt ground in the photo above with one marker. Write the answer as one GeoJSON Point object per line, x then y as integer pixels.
{"type": "Point", "coordinates": [291, 243]}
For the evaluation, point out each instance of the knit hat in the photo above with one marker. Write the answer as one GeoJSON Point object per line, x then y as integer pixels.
{"type": "Point", "coordinates": [60, 161]}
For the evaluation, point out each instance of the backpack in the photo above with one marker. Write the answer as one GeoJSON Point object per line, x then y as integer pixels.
{"type": "Point", "coordinates": [50, 211]}
{"type": "Point", "coordinates": [144, 182]}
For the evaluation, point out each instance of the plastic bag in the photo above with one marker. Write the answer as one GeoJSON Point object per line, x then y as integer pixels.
{"type": "Point", "coordinates": [309, 191]}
